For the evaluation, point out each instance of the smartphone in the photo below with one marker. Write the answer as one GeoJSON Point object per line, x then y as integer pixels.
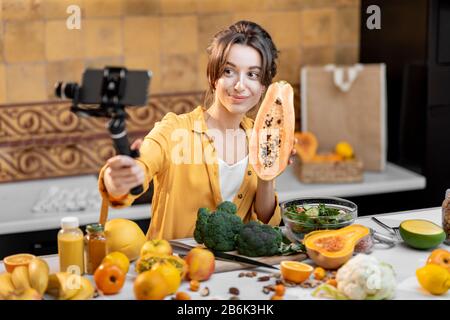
{"type": "Point", "coordinates": [135, 93]}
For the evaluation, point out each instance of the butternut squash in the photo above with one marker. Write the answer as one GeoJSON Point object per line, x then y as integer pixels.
{"type": "Point", "coordinates": [272, 138]}
{"type": "Point", "coordinates": [306, 145]}
{"type": "Point", "coordinates": [330, 249]}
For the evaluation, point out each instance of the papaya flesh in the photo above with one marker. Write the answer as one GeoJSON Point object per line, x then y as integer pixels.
{"type": "Point", "coordinates": [272, 138]}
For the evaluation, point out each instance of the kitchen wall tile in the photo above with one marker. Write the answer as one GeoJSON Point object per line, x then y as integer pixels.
{"type": "Point", "coordinates": [22, 9]}
{"type": "Point", "coordinates": [24, 41]}
{"type": "Point", "coordinates": [103, 37]}
{"type": "Point", "coordinates": [202, 63]}
{"type": "Point", "coordinates": [142, 7]}
{"type": "Point", "coordinates": [62, 43]}
{"type": "Point", "coordinates": [277, 5]}
{"type": "Point", "coordinates": [32, 80]}
{"type": "Point", "coordinates": [103, 62]}
{"type": "Point", "coordinates": [180, 35]}
{"type": "Point", "coordinates": [179, 6]}
{"type": "Point", "coordinates": [150, 61]}
{"type": "Point", "coordinates": [142, 35]}
{"type": "Point", "coordinates": [214, 6]}
{"type": "Point", "coordinates": [284, 27]}
{"type": "Point", "coordinates": [2, 40]}
{"type": "Point", "coordinates": [239, 6]}
{"type": "Point", "coordinates": [67, 71]}
{"type": "Point", "coordinates": [208, 26]}
{"type": "Point", "coordinates": [348, 2]}
{"type": "Point", "coordinates": [179, 72]}
{"type": "Point", "coordinates": [318, 27]}
{"type": "Point", "coordinates": [347, 25]}
{"type": "Point", "coordinates": [318, 55]}
{"type": "Point", "coordinates": [306, 4]}
{"type": "Point", "coordinates": [347, 54]}
{"type": "Point", "coordinates": [57, 9]}
{"type": "Point", "coordinates": [2, 83]}
{"type": "Point", "coordinates": [289, 63]}
{"type": "Point", "coordinates": [103, 8]}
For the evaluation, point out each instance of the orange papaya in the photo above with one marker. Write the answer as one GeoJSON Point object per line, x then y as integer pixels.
{"type": "Point", "coordinates": [272, 138]}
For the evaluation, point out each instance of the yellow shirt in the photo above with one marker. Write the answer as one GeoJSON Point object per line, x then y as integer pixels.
{"type": "Point", "coordinates": [179, 156]}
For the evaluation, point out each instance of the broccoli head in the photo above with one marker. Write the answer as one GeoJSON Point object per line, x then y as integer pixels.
{"type": "Point", "coordinates": [202, 220]}
{"type": "Point", "coordinates": [217, 230]}
{"type": "Point", "coordinates": [227, 206]}
{"type": "Point", "coordinates": [257, 240]}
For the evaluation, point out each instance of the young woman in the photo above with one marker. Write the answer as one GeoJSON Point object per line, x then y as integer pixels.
{"type": "Point", "coordinates": [200, 158]}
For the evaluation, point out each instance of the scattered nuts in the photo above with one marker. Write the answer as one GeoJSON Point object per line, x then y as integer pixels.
{"type": "Point", "coordinates": [310, 283]}
{"type": "Point", "coordinates": [264, 278]}
{"type": "Point", "coordinates": [204, 292]}
{"type": "Point", "coordinates": [194, 285]}
{"type": "Point", "coordinates": [266, 290]}
{"type": "Point", "coordinates": [234, 298]}
{"type": "Point", "coordinates": [279, 281]}
{"type": "Point", "coordinates": [234, 291]}
{"type": "Point", "coordinates": [180, 295]}
{"type": "Point", "coordinates": [242, 274]}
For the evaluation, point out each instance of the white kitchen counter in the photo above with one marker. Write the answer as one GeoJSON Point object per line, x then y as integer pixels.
{"type": "Point", "coordinates": [18, 198]}
{"type": "Point", "coordinates": [404, 260]}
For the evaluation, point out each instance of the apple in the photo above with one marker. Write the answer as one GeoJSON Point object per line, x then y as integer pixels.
{"type": "Point", "coordinates": [201, 264]}
{"type": "Point", "coordinates": [156, 246]}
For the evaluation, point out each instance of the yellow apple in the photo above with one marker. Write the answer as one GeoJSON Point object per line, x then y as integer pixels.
{"type": "Point", "coordinates": [156, 246]}
{"type": "Point", "coordinates": [119, 259]}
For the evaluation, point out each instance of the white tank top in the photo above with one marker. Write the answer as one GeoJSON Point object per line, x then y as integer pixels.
{"type": "Point", "coordinates": [231, 177]}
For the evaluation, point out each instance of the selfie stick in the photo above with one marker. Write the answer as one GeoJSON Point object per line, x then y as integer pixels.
{"type": "Point", "coordinates": [113, 89]}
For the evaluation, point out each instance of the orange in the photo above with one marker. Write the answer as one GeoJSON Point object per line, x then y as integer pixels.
{"type": "Point", "coordinates": [170, 274]}
{"type": "Point", "coordinates": [119, 259]}
{"type": "Point", "coordinates": [150, 285]}
{"type": "Point", "coordinates": [295, 271]}
{"type": "Point", "coordinates": [109, 278]}
{"type": "Point", "coordinates": [21, 259]}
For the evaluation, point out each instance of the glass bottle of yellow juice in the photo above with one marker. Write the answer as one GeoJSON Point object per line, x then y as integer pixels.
{"type": "Point", "coordinates": [71, 246]}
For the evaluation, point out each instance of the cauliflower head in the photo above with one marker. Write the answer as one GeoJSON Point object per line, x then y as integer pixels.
{"type": "Point", "coordinates": [365, 277]}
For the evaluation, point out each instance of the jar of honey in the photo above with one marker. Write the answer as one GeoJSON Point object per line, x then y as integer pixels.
{"type": "Point", "coordinates": [94, 246]}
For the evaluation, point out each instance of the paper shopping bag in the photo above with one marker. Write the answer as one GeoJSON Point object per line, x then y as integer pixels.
{"type": "Point", "coordinates": [347, 103]}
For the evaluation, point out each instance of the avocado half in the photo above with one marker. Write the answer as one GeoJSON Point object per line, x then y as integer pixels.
{"type": "Point", "coordinates": [421, 234]}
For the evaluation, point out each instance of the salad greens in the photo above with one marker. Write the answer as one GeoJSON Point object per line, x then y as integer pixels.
{"type": "Point", "coordinates": [308, 218]}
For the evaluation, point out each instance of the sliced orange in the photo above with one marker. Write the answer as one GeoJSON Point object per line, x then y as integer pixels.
{"type": "Point", "coordinates": [20, 259]}
{"type": "Point", "coordinates": [295, 271]}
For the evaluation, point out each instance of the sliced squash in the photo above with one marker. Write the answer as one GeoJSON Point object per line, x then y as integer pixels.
{"type": "Point", "coordinates": [330, 249]}
{"type": "Point", "coordinates": [272, 138]}
{"type": "Point", "coordinates": [306, 145]}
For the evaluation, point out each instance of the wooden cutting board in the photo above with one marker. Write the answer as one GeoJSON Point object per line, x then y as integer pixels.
{"type": "Point", "coordinates": [223, 266]}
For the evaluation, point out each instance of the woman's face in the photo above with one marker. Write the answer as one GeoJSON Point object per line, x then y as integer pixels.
{"type": "Point", "coordinates": [239, 88]}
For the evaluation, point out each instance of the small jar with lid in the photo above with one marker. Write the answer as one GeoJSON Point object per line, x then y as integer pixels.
{"type": "Point", "coordinates": [94, 246]}
{"type": "Point", "coordinates": [446, 216]}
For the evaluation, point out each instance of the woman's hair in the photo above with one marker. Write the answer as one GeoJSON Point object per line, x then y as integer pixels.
{"type": "Point", "coordinates": [245, 33]}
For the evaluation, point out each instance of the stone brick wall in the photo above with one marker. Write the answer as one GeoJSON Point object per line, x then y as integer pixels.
{"type": "Point", "coordinates": [38, 135]}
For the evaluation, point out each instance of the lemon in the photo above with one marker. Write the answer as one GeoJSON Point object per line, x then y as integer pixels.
{"type": "Point", "coordinates": [433, 278]}
{"type": "Point", "coordinates": [344, 149]}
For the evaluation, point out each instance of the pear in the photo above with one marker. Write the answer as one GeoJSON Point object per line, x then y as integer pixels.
{"type": "Point", "coordinates": [20, 278]}
{"type": "Point", "coordinates": [38, 271]}
{"type": "Point", "coordinates": [6, 285]}
{"type": "Point", "coordinates": [63, 285]}
{"type": "Point", "coordinates": [86, 291]}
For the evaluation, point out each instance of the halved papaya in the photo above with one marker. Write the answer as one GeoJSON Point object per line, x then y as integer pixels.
{"type": "Point", "coordinates": [272, 137]}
